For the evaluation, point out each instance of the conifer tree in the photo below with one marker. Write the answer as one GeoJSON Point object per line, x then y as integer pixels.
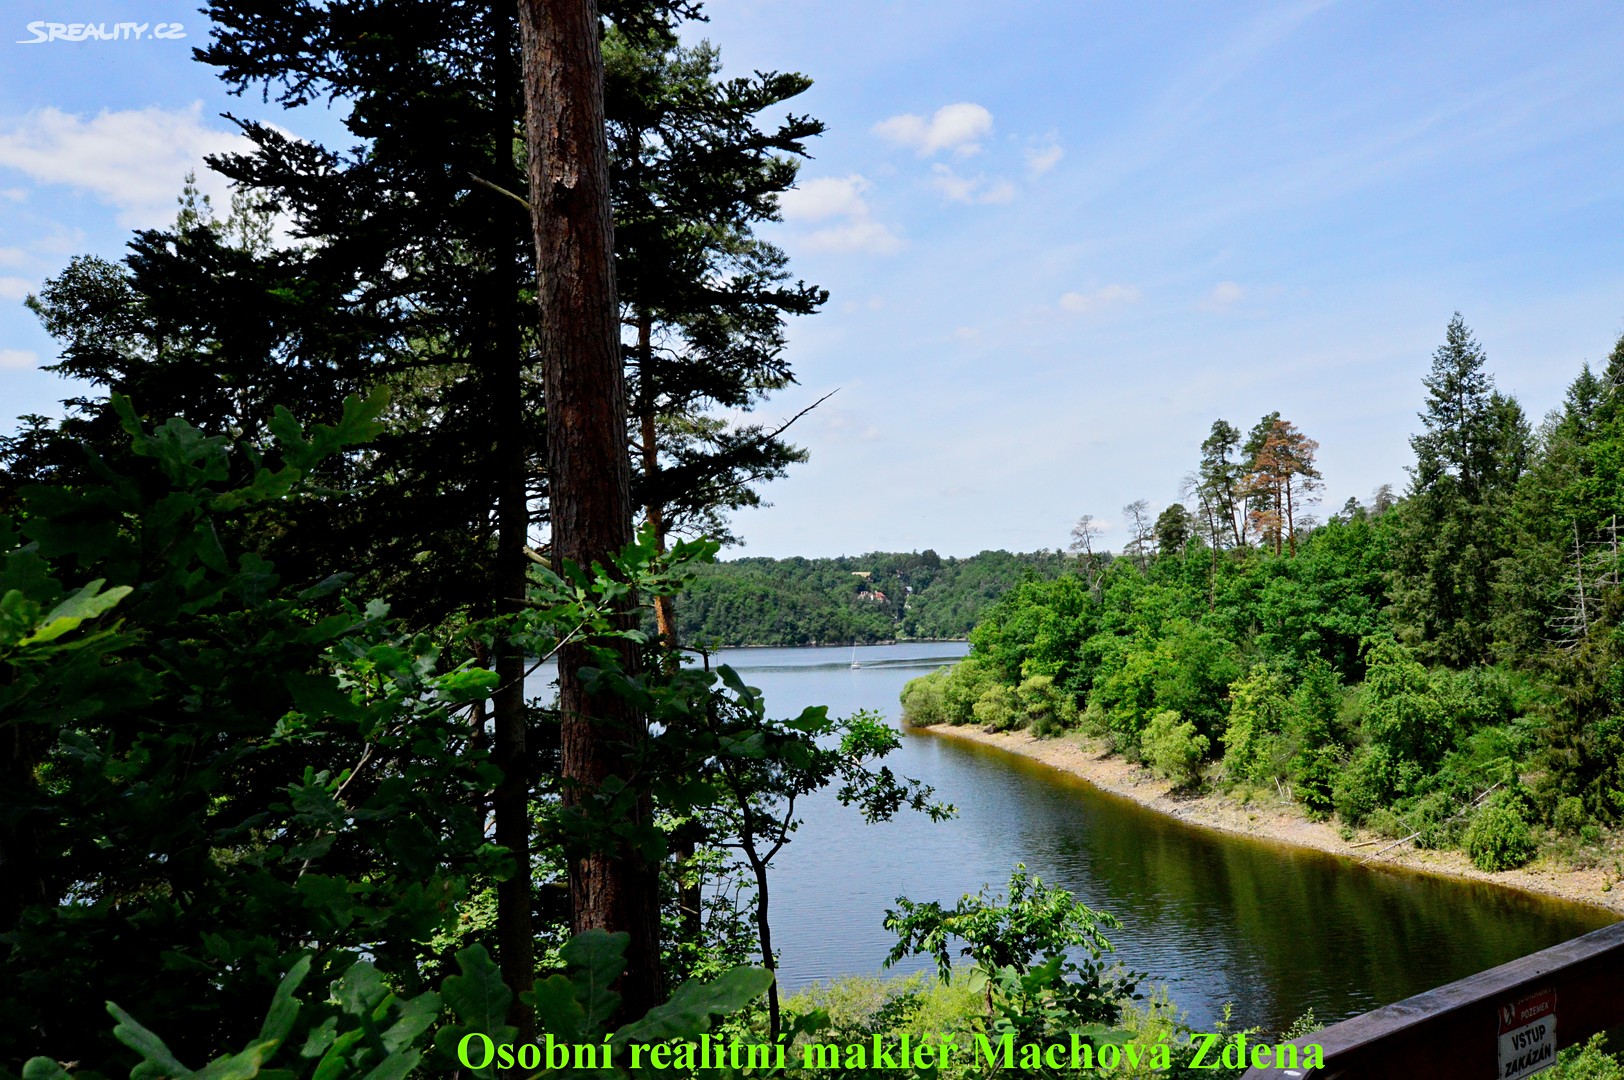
{"type": "Point", "coordinates": [1258, 499]}
{"type": "Point", "coordinates": [1219, 481]}
{"type": "Point", "coordinates": [703, 298]}
{"type": "Point", "coordinates": [1473, 448]}
{"type": "Point", "coordinates": [1284, 479]}
{"type": "Point", "coordinates": [1559, 601]}
{"type": "Point", "coordinates": [1141, 542]}
{"type": "Point", "coordinates": [1174, 527]}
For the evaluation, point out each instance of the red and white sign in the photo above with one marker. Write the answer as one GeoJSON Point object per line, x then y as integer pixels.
{"type": "Point", "coordinates": [1528, 1035]}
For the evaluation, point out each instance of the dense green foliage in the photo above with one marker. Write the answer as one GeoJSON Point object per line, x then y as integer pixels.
{"type": "Point", "coordinates": [211, 773]}
{"type": "Point", "coordinates": [1588, 1062]}
{"type": "Point", "coordinates": [1406, 660]}
{"type": "Point", "coordinates": [1021, 991]}
{"type": "Point", "coordinates": [882, 596]}
{"type": "Point", "coordinates": [361, 1027]}
{"type": "Point", "coordinates": [204, 770]}
{"type": "Point", "coordinates": [1173, 748]}
{"type": "Point", "coordinates": [1023, 952]}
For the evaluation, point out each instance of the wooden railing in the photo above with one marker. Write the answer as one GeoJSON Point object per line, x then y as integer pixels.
{"type": "Point", "coordinates": [1501, 1024]}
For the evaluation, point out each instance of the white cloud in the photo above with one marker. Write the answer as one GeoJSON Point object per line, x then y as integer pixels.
{"type": "Point", "coordinates": [957, 188]}
{"type": "Point", "coordinates": [1102, 299]}
{"type": "Point", "coordinates": [970, 189]}
{"type": "Point", "coordinates": [826, 197]}
{"type": "Point", "coordinates": [17, 359]}
{"type": "Point", "coordinates": [15, 194]}
{"type": "Point", "coordinates": [133, 159]}
{"type": "Point", "coordinates": [858, 236]}
{"type": "Point", "coordinates": [958, 127]}
{"type": "Point", "coordinates": [966, 333]}
{"type": "Point", "coordinates": [15, 288]}
{"type": "Point", "coordinates": [1040, 159]}
{"type": "Point", "coordinates": [839, 201]}
{"type": "Point", "coordinates": [1224, 296]}
{"type": "Point", "coordinates": [12, 256]}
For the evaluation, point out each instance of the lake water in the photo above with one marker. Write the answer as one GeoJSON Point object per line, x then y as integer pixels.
{"type": "Point", "coordinates": [1217, 918]}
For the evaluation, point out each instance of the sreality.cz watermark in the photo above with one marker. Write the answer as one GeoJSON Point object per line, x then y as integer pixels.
{"type": "Point", "coordinates": [119, 31]}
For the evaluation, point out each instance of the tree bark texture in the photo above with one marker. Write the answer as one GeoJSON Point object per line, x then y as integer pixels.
{"type": "Point", "coordinates": [512, 752]}
{"type": "Point", "coordinates": [511, 805]}
{"type": "Point", "coordinates": [589, 475]}
{"type": "Point", "coordinates": [664, 617]}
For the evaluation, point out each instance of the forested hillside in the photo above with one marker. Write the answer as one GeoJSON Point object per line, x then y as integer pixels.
{"type": "Point", "coordinates": [881, 596]}
{"type": "Point", "coordinates": [1447, 665]}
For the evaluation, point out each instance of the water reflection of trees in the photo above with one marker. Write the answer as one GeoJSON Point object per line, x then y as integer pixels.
{"type": "Point", "coordinates": [1276, 928]}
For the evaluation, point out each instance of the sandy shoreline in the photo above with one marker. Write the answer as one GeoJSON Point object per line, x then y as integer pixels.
{"type": "Point", "coordinates": [1283, 822]}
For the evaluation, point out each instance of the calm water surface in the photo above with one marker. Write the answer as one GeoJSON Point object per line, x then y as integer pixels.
{"type": "Point", "coordinates": [1217, 918]}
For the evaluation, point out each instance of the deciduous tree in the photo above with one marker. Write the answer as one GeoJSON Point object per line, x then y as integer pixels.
{"type": "Point", "coordinates": [1083, 535]}
{"type": "Point", "coordinates": [1141, 543]}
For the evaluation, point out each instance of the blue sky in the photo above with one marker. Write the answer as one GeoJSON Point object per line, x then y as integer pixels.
{"type": "Point", "coordinates": [1061, 237]}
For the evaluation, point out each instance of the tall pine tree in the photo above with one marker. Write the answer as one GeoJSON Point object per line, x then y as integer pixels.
{"type": "Point", "coordinates": [1453, 523]}
{"type": "Point", "coordinates": [703, 299]}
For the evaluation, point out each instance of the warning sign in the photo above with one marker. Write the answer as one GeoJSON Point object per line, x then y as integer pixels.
{"type": "Point", "coordinates": [1528, 1035]}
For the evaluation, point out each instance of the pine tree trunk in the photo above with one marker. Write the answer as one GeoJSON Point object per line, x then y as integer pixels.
{"type": "Point", "coordinates": [685, 840]}
{"type": "Point", "coordinates": [664, 615]}
{"type": "Point", "coordinates": [511, 804]}
{"type": "Point", "coordinates": [611, 887]}
{"type": "Point", "coordinates": [1291, 517]}
{"type": "Point", "coordinates": [511, 752]}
